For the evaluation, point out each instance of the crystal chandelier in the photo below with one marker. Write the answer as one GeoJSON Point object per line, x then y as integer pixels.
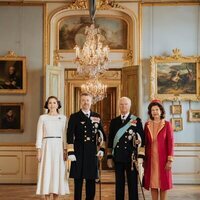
{"type": "Point", "coordinates": [92, 60]}
{"type": "Point", "coordinates": [95, 88]}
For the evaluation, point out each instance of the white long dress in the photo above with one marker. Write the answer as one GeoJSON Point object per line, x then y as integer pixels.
{"type": "Point", "coordinates": [51, 170]}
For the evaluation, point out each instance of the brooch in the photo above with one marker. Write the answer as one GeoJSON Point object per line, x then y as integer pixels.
{"type": "Point", "coordinates": [133, 122]}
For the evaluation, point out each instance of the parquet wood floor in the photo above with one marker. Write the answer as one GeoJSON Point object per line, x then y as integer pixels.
{"type": "Point", "coordinates": [27, 192]}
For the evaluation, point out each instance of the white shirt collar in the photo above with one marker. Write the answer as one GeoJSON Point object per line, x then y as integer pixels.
{"type": "Point", "coordinates": [86, 113]}
{"type": "Point", "coordinates": [125, 116]}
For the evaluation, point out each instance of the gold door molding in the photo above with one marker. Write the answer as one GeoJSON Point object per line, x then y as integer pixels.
{"type": "Point", "coordinates": [111, 78]}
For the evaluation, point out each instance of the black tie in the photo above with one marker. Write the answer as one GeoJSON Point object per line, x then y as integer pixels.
{"type": "Point", "coordinates": [123, 118]}
{"type": "Point", "coordinates": [87, 115]}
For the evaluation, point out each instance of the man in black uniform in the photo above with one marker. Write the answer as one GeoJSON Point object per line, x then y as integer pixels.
{"type": "Point", "coordinates": [84, 133]}
{"type": "Point", "coordinates": [125, 135]}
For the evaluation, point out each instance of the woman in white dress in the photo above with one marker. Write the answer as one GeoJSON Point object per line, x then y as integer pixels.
{"type": "Point", "coordinates": [50, 144]}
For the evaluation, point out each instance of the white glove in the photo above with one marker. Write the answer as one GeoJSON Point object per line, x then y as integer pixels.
{"type": "Point", "coordinates": [140, 161]}
{"type": "Point", "coordinates": [72, 158]}
{"type": "Point", "coordinates": [100, 153]}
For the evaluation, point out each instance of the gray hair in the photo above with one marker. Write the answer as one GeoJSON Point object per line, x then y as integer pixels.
{"type": "Point", "coordinates": [126, 98]}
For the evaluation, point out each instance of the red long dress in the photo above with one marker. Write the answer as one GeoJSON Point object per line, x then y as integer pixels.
{"type": "Point", "coordinates": [158, 149]}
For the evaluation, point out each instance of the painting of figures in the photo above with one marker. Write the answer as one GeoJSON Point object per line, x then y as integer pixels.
{"type": "Point", "coordinates": [72, 32]}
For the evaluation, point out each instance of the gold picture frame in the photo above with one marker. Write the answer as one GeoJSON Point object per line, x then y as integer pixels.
{"type": "Point", "coordinates": [176, 109]}
{"type": "Point", "coordinates": [175, 77]}
{"type": "Point", "coordinates": [194, 115]}
{"type": "Point", "coordinates": [11, 117]}
{"type": "Point", "coordinates": [12, 74]}
{"type": "Point", "coordinates": [177, 124]}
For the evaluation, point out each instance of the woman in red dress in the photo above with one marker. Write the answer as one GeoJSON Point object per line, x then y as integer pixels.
{"type": "Point", "coordinates": [159, 143]}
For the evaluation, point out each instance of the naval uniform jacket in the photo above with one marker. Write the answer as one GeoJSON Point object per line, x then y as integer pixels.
{"type": "Point", "coordinates": [81, 134]}
{"type": "Point", "coordinates": [124, 148]}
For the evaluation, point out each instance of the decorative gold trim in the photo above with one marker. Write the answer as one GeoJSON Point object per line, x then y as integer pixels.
{"type": "Point", "coordinates": [106, 5]}
{"type": "Point", "coordinates": [11, 54]}
{"type": "Point", "coordinates": [78, 5]}
{"type": "Point", "coordinates": [129, 57]}
{"type": "Point", "coordinates": [101, 5]}
{"type": "Point", "coordinates": [57, 57]}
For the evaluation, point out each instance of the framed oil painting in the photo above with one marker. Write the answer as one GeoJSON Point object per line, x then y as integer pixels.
{"type": "Point", "coordinates": [175, 77]}
{"type": "Point", "coordinates": [12, 74]}
{"type": "Point", "coordinates": [177, 124]}
{"type": "Point", "coordinates": [11, 117]}
{"type": "Point", "coordinates": [194, 115]}
{"type": "Point", "coordinates": [71, 32]}
{"type": "Point", "coordinates": [176, 109]}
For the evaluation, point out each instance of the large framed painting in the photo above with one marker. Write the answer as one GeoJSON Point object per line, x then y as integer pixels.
{"type": "Point", "coordinates": [12, 74]}
{"type": "Point", "coordinates": [175, 77]}
{"type": "Point", "coordinates": [71, 32]}
{"type": "Point", "coordinates": [11, 117]}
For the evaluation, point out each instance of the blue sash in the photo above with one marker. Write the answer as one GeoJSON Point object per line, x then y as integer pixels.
{"type": "Point", "coordinates": [121, 132]}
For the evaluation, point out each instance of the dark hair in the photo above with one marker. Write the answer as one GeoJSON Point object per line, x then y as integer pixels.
{"type": "Point", "coordinates": [47, 101]}
{"type": "Point", "coordinates": [162, 116]}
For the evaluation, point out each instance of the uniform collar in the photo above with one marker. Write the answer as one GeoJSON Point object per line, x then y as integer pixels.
{"type": "Point", "coordinates": [86, 113]}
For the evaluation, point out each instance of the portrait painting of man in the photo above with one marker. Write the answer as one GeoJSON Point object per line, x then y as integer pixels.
{"type": "Point", "coordinates": [12, 75]}
{"type": "Point", "coordinates": [11, 116]}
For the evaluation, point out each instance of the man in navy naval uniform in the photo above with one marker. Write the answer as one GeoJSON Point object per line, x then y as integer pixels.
{"type": "Point", "coordinates": [84, 134]}
{"type": "Point", "coordinates": [125, 136]}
